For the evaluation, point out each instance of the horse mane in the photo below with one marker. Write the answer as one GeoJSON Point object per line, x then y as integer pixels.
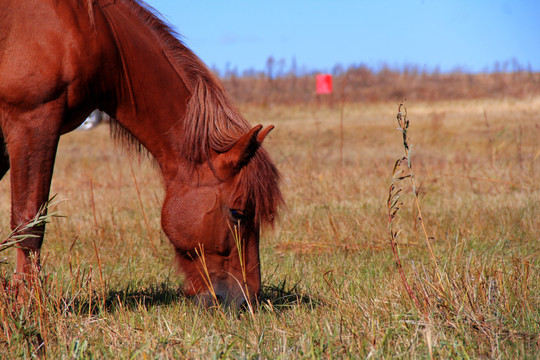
{"type": "Point", "coordinates": [211, 122]}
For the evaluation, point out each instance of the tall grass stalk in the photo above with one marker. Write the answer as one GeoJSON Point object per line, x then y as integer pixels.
{"type": "Point", "coordinates": [403, 122]}
{"type": "Point", "coordinates": [199, 251]}
{"type": "Point", "coordinates": [240, 248]}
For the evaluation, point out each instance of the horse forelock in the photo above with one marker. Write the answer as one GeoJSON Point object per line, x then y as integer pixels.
{"type": "Point", "coordinates": [211, 121]}
{"type": "Point", "coordinates": [260, 179]}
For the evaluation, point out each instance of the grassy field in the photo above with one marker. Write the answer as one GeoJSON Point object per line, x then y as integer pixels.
{"type": "Point", "coordinates": [331, 287]}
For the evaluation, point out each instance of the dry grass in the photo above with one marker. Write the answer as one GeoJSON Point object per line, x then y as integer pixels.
{"type": "Point", "coordinates": [331, 287]}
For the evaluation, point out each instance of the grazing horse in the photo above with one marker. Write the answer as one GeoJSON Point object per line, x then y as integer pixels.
{"type": "Point", "coordinates": [60, 59]}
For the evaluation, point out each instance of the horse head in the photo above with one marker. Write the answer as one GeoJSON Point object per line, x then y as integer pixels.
{"type": "Point", "coordinates": [211, 219]}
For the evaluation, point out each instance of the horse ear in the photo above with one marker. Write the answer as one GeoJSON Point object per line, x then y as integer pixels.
{"type": "Point", "coordinates": [243, 149]}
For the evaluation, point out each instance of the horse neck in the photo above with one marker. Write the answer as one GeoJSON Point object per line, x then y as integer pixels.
{"type": "Point", "coordinates": [151, 98]}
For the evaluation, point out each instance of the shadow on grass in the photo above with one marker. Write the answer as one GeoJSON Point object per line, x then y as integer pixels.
{"type": "Point", "coordinates": [283, 295]}
{"type": "Point", "coordinates": [133, 297]}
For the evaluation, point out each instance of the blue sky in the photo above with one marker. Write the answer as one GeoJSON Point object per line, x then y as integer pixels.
{"type": "Point", "coordinates": [470, 35]}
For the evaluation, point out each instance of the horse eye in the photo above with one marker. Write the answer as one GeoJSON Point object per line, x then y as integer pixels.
{"type": "Point", "coordinates": [237, 215]}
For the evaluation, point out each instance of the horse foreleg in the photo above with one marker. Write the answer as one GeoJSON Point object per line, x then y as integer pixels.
{"type": "Point", "coordinates": [32, 141]}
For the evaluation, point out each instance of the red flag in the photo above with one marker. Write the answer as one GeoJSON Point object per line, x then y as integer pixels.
{"type": "Point", "coordinates": [324, 84]}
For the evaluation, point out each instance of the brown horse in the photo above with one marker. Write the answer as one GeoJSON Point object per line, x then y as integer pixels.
{"type": "Point", "coordinates": [60, 59]}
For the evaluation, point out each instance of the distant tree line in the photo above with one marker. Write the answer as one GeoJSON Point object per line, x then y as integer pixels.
{"type": "Point", "coordinates": [360, 83]}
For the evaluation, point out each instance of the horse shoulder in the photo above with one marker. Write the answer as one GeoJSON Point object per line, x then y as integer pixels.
{"type": "Point", "coordinates": [49, 50]}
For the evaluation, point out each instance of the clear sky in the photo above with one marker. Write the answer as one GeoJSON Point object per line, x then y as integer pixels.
{"type": "Point", "coordinates": [470, 35]}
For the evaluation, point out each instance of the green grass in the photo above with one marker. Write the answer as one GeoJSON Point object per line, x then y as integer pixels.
{"type": "Point", "coordinates": [331, 289]}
